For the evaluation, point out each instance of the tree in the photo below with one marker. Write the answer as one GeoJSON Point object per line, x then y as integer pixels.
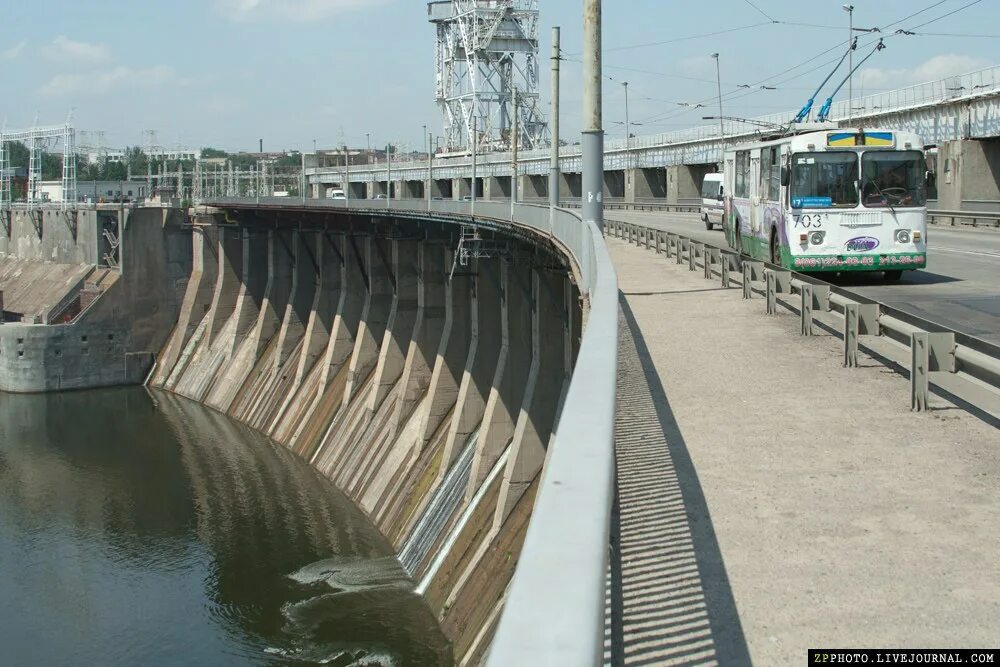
{"type": "Point", "coordinates": [213, 152]}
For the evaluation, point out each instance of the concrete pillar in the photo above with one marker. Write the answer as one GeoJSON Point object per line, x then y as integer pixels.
{"type": "Point", "coordinates": [304, 276]}
{"type": "Point", "coordinates": [227, 286]}
{"type": "Point", "coordinates": [317, 336]}
{"type": "Point", "coordinates": [402, 318]}
{"type": "Point", "coordinates": [481, 362]}
{"type": "Point", "coordinates": [196, 303]}
{"type": "Point", "coordinates": [968, 175]}
{"type": "Point", "coordinates": [513, 366]}
{"type": "Point", "coordinates": [645, 184]}
{"type": "Point", "coordinates": [533, 186]}
{"type": "Point", "coordinates": [545, 378]}
{"type": "Point", "coordinates": [428, 330]}
{"type": "Point", "coordinates": [461, 187]}
{"type": "Point", "coordinates": [442, 188]}
{"type": "Point", "coordinates": [614, 184]}
{"type": "Point", "coordinates": [254, 282]}
{"type": "Point", "coordinates": [378, 303]}
{"type": "Point", "coordinates": [570, 186]}
{"type": "Point", "coordinates": [332, 367]}
{"type": "Point", "coordinates": [451, 354]}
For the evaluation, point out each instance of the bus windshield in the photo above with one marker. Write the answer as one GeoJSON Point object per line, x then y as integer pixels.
{"type": "Point", "coordinates": [893, 178]}
{"type": "Point", "coordinates": [824, 179]}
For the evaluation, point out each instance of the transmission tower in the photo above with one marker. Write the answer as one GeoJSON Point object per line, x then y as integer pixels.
{"type": "Point", "coordinates": [486, 49]}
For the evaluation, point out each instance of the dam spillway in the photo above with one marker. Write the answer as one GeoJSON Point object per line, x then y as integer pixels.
{"type": "Point", "coordinates": [419, 370]}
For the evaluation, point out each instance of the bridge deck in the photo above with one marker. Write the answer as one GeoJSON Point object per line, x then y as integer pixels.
{"type": "Point", "coordinates": [771, 500]}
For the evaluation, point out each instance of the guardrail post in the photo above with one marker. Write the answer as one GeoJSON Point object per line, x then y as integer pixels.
{"type": "Point", "coordinates": [712, 256]}
{"type": "Point", "coordinates": [656, 239]}
{"type": "Point", "coordinates": [929, 353]}
{"type": "Point", "coordinates": [646, 233]}
{"type": "Point", "coordinates": [919, 370]}
{"type": "Point", "coordinates": [851, 324]}
{"type": "Point", "coordinates": [725, 270]}
{"type": "Point", "coordinates": [694, 249]}
{"type": "Point", "coordinates": [806, 309]}
{"type": "Point", "coordinates": [671, 242]}
{"type": "Point", "coordinates": [747, 280]}
{"type": "Point", "coordinates": [772, 292]}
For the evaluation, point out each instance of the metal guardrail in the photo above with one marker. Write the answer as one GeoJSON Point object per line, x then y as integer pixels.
{"type": "Point", "coordinates": [959, 365]}
{"type": "Point", "coordinates": [964, 218]}
{"type": "Point", "coordinates": [554, 613]}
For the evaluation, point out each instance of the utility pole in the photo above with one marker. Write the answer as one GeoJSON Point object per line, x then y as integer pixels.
{"type": "Point", "coordinates": [628, 133]}
{"type": "Point", "coordinates": [850, 59]}
{"type": "Point", "coordinates": [347, 176]}
{"type": "Point", "coordinates": [515, 143]}
{"type": "Point", "coordinates": [388, 175]}
{"type": "Point", "coordinates": [593, 132]}
{"type": "Point", "coordinates": [302, 179]}
{"type": "Point", "coordinates": [430, 169]}
{"type": "Point", "coordinates": [554, 165]}
{"type": "Point", "coordinates": [475, 151]}
{"type": "Point", "coordinates": [722, 131]}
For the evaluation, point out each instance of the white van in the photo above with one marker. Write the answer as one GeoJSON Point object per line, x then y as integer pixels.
{"type": "Point", "coordinates": [336, 194]}
{"type": "Point", "coordinates": [712, 207]}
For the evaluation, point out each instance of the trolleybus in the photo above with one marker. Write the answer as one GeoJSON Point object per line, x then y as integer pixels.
{"type": "Point", "coordinates": [830, 199]}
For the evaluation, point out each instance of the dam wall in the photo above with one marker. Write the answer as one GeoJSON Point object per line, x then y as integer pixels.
{"type": "Point", "coordinates": [419, 369]}
{"type": "Point", "coordinates": [89, 296]}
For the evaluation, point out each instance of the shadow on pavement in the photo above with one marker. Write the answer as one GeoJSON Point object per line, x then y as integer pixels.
{"type": "Point", "coordinates": [670, 601]}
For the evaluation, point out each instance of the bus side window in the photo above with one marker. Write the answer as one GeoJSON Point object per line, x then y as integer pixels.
{"type": "Point", "coordinates": [765, 173]}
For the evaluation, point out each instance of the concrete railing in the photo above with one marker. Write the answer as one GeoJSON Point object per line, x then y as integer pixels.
{"type": "Point", "coordinates": [964, 219]}
{"type": "Point", "coordinates": [554, 613]}
{"type": "Point", "coordinates": [962, 367]}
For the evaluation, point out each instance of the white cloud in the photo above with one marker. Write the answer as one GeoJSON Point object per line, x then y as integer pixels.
{"type": "Point", "coordinates": [288, 10]}
{"type": "Point", "coordinates": [65, 50]}
{"type": "Point", "coordinates": [14, 52]}
{"type": "Point", "coordinates": [106, 80]}
{"type": "Point", "coordinates": [938, 67]}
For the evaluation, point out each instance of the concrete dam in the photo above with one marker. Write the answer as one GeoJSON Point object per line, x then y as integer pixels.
{"type": "Point", "coordinates": [418, 363]}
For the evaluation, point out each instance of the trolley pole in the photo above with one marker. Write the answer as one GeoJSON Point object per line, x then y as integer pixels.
{"type": "Point", "coordinates": [554, 165]}
{"type": "Point", "coordinates": [592, 205]}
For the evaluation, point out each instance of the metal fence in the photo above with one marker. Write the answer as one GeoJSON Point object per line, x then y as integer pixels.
{"type": "Point", "coordinates": [554, 613]}
{"type": "Point", "coordinates": [962, 367]}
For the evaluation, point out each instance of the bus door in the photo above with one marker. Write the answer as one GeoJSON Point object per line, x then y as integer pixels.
{"type": "Point", "coordinates": [755, 199]}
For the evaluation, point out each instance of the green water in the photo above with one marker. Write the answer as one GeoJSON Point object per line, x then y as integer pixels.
{"type": "Point", "coordinates": [140, 528]}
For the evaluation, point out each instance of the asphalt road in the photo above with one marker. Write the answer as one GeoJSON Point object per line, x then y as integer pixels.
{"type": "Point", "coordinates": [960, 288]}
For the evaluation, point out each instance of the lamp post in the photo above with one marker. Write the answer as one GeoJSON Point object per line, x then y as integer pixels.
{"type": "Point", "coordinates": [850, 58]}
{"type": "Point", "coordinates": [592, 205]}
{"type": "Point", "coordinates": [722, 131]}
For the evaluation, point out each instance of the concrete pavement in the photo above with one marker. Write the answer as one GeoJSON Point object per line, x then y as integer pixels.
{"type": "Point", "coordinates": [960, 287]}
{"type": "Point", "coordinates": [771, 500]}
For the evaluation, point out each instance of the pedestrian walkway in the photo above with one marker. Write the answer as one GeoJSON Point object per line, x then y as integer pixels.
{"type": "Point", "coordinates": [770, 500]}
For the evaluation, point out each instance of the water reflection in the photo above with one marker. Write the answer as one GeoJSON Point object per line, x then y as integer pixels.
{"type": "Point", "coordinates": [138, 528]}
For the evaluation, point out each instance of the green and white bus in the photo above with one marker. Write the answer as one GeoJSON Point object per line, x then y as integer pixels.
{"type": "Point", "coordinates": [830, 199]}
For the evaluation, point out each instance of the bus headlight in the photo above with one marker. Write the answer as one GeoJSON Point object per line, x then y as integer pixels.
{"type": "Point", "coordinates": [902, 236]}
{"type": "Point", "coordinates": [916, 237]}
{"type": "Point", "coordinates": [816, 238]}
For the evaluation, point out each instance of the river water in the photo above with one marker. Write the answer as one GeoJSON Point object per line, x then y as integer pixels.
{"type": "Point", "coordinates": [143, 528]}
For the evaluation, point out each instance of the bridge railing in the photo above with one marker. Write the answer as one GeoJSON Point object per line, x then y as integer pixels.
{"type": "Point", "coordinates": [554, 613]}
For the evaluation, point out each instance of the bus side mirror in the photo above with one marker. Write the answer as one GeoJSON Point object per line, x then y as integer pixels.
{"type": "Point", "coordinates": [786, 176]}
{"type": "Point", "coordinates": [930, 178]}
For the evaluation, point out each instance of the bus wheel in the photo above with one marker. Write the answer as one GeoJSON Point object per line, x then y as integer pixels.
{"type": "Point", "coordinates": [708, 222]}
{"type": "Point", "coordinates": [775, 252]}
{"type": "Point", "coordinates": [893, 276]}
{"type": "Point", "coordinates": [738, 234]}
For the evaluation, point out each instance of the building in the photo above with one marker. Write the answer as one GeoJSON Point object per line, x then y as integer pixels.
{"type": "Point", "coordinates": [92, 192]}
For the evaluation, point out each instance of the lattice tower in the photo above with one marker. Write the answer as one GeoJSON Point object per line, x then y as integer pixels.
{"type": "Point", "coordinates": [485, 50]}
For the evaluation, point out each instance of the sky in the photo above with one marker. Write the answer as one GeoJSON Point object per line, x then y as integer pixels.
{"type": "Point", "coordinates": [226, 73]}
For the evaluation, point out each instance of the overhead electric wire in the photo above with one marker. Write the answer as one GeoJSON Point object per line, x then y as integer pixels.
{"type": "Point", "coordinates": [673, 113]}
{"type": "Point", "coordinates": [684, 39]}
{"type": "Point", "coordinates": [761, 11]}
{"type": "Point", "coordinates": [944, 16]}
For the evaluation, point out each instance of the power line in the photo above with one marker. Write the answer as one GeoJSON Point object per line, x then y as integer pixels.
{"type": "Point", "coordinates": [907, 18]}
{"type": "Point", "coordinates": [761, 11]}
{"type": "Point", "coordinates": [974, 2]}
{"type": "Point", "coordinates": [684, 39]}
